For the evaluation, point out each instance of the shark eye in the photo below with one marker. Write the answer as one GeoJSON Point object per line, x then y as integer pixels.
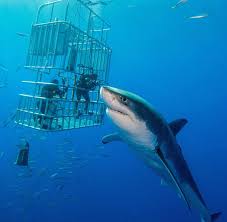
{"type": "Point", "coordinates": [124, 100]}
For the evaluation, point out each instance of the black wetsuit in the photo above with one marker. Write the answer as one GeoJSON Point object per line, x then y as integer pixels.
{"type": "Point", "coordinates": [85, 84]}
{"type": "Point", "coordinates": [22, 158]}
{"type": "Point", "coordinates": [48, 107]}
{"type": "Point", "coordinates": [49, 92]}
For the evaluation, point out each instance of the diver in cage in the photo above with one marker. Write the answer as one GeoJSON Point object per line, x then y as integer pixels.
{"type": "Point", "coordinates": [86, 83]}
{"type": "Point", "coordinates": [47, 106]}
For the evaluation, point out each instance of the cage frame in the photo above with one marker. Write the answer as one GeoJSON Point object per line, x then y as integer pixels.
{"type": "Point", "coordinates": [43, 70]}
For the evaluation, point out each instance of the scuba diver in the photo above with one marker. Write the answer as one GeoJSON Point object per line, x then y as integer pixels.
{"type": "Point", "coordinates": [23, 155]}
{"type": "Point", "coordinates": [86, 83]}
{"type": "Point", "coordinates": [47, 106]}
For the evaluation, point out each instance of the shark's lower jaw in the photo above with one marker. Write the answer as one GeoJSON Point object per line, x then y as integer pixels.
{"type": "Point", "coordinates": [119, 118]}
{"type": "Point", "coordinates": [116, 116]}
{"type": "Point", "coordinates": [118, 112]}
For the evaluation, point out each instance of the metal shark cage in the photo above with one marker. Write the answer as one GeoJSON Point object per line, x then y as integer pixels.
{"type": "Point", "coordinates": [68, 40]}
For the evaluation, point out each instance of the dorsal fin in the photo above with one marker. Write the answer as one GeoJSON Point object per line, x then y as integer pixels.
{"type": "Point", "coordinates": [177, 125]}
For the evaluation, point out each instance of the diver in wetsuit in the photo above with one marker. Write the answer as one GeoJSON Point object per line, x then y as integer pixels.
{"type": "Point", "coordinates": [86, 83]}
{"type": "Point", "coordinates": [49, 107]}
{"type": "Point", "coordinates": [23, 155]}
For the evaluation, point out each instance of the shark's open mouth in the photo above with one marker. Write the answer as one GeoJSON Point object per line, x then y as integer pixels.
{"type": "Point", "coordinates": [116, 111]}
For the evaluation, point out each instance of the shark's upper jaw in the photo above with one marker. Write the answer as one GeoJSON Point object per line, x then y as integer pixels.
{"type": "Point", "coordinates": [113, 105]}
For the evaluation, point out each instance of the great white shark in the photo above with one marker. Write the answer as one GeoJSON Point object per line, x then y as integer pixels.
{"type": "Point", "coordinates": [154, 140]}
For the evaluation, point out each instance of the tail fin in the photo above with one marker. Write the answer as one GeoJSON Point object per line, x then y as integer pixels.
{"type": "Point", "coordinates": [215, 216]}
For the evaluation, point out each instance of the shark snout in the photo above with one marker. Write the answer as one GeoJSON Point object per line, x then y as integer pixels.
{"type": "Point", "coordinates": [102, 91]}
{"type": "Point", "coordinates": [107, 96]}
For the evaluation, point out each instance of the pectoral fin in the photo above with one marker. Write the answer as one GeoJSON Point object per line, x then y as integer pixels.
{"type": "Point", "coordinates": [111, 138]}
{"type": "Point", "coordinates": [165, 164]}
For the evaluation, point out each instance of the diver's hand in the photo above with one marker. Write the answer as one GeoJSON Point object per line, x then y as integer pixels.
{"type": "Point", "coordinates": [63, 81]}
{"type": "Point", "coordinates": [100, 82]}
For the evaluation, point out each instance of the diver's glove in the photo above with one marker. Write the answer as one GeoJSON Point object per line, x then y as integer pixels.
{"type": "Point", "coordinates": [63, 81]}
{"type": "Point", "coordinates": [65, 85]}
{"type": "Point", "coordinates": [100, 82]}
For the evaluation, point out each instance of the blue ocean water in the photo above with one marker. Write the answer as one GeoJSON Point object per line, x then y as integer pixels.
{"type": "Point", "coordinates": [178, 65]}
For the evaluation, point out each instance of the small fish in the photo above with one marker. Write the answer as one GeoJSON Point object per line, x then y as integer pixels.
{"type": "Point", "coordinates": [3, 85]}
{"type": "Point", "coordinates": [60, 187]}
{"type": "Point", "coordinates": [43, 138]}
{"type": "Point", "coordinates": [2, 67]}
{"type": "Point", "coordinates": [32, 161]}
{"type": "Point", "coordinates": [181, 2]}
{"type": "Point", "coordinates": [9, 204]}
{"type": "Point", "coordinates": [69, 163]}
{"type": "Point", "coordinates": [19, 67]}
{"type": "Point", "coordinates": [20, 174]}
{"type": "Point", "coordinates": [105, 155]}
{"type": "Point", "coordinates": [1, 154]}
{"type": "Point", "coordinates": [68, 140]}
{"type": "Point", "coordinates": [75, 158]}
{"type": "Point", "coordinates": [45, 190]}
{"type": "Point", "coordinates": [54, 175]}
{"type": "Point", "coordinates": [43, 172]}
{"type": "Point", "coordinates": [37, 195]}
{"type": "Point", "coordinates": [24, 175]}
{"type": "Point", "coordinates": [131, 6]}
{"type": "Point", "coordinates": [64, 168]}
{"type": "Point", "coordinates": [93, 3]}
{"type": "Point", "coordinates": [21, 34]}
{"type": "Point", "coordinates": [100, 147]}
{"type": "Point", "coordinates": [198, 16]}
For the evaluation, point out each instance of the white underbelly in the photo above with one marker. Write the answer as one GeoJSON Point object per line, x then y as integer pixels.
{"type": "Point", "coordinates": [144, 147]}
{"type": "Point", "coordinates": [139, 139]}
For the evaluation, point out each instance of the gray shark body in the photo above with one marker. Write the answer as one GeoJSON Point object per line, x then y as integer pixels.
{"type": "Point", "coordinates": [154, 140]}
